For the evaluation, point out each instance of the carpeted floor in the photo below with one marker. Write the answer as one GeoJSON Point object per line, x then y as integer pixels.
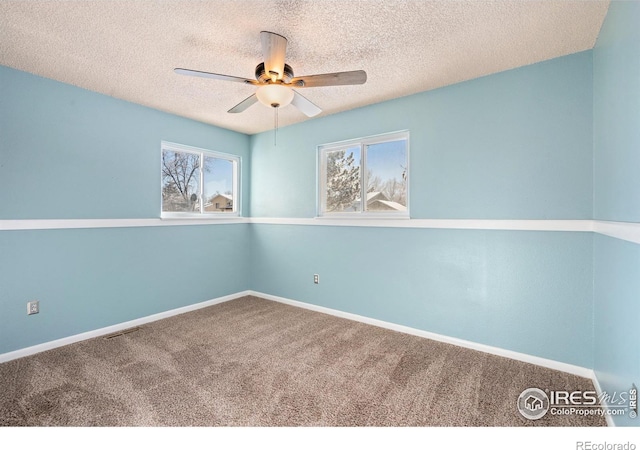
{"type": "Point", "coordinates": [253, 362]}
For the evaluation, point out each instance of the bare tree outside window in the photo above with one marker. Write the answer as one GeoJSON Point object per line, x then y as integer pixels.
{"type": "Point", "coordinates": [198, 182]}
{"type": "Point", "coordinates": [386, 176]}
{"type": "Point", "coordinates": [394, 189]}
{"type": "Point", "coordinates": [180, 181]}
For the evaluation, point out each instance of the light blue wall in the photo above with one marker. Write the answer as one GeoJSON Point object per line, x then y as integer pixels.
{"type": "Point", "coordinates": [87, 279]}
{"type": "Point", "coordinates": [617, 115]}
{"type": "Point", "coordinates": [617, 316]}
{"type": "Point", "coordinates": [67, 153]}
{"type": "Point", "coordinates": [515, 145]}
{"type": "Point", "coordinates": [617, 197]}
{"type": "Point", "coordinates": [524, 291]}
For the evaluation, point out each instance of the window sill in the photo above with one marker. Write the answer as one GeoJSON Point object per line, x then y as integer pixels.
{"type": "Point", "coordinates": [360, 216]}
{"type": "Point", "coordinates": [187, 216]}
{"type": "Point", "coordinates": [197, 219]}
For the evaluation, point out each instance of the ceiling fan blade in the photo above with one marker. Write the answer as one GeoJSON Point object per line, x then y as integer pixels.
{"type": "Point", "coordinates": [274, 48]}
{"type": "Point", "coordinates": [304, 105]}
{"type": "Point", "coordinates": [244, 104]}
{"type": "Point", "coordinates": [215, 76]}
{"type": "Point", "coordinates": [331, 79]}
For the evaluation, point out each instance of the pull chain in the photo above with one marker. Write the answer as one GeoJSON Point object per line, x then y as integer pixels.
{"type": "Point", "coordinates": [275, 126]}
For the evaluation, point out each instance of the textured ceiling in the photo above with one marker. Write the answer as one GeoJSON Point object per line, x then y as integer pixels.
{"type": "Point", "coordinates": [128, 49]}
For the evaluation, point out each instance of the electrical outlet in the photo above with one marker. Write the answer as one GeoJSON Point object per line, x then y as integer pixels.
{"type": "Point", "coordinates": [33, 307]}
{"type": "Point", "coordinates": [316, 278]}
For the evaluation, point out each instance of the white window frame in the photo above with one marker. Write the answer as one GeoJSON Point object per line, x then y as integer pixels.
{"type": "Point", "coordinates": [321, 183]}
{"type": "Point", "coordinates": [235, 159]}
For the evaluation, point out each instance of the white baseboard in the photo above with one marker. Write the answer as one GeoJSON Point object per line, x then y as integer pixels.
{"type": "Point", "coordinates": [538, 361]}
{"type": "Point", "coordinates": [115, 328]}
{"type": "Point", "coordinates": [549, 363]}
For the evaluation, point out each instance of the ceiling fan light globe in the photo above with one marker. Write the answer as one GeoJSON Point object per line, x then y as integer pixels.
{"type": "Point", "coordinates": [274, 95]}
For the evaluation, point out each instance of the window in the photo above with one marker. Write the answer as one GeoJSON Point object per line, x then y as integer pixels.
{"type": "Point", "coordinates": [375, 169]}
{"type": "Point", "coordinates": [198, 182]}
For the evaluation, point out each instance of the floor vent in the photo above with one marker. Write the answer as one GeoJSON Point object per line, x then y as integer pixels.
{"type": "Point", "coordinates": [122, 333]}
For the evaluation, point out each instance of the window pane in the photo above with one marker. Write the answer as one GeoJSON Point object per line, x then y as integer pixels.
{"type": "Point", "coordinates": [343, 180]}
{"type": "Point", "coordinates": [386, 164]}
{"type": "Point", "coordinates": [218, 185]}
{"type": "Point", "coordinates": [180, 181]}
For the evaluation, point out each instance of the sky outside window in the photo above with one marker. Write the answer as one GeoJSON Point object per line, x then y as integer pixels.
{"type": "Point", "coordinates": [218, 177]}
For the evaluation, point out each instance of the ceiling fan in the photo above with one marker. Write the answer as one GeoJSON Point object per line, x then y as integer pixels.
{"type": "Point", "coordinates": [275, 79]}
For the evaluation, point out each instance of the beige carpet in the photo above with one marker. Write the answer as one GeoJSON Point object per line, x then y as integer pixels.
{"type": "Point", "coordinates": [253, 362]}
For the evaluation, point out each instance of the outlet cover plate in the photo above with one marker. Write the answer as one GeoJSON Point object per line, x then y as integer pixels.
{"type": "Point", "coordinates": [33, 307]}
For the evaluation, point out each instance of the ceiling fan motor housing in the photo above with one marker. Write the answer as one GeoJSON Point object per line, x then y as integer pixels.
{"type": "Point", "coordinates": [264, 77]}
